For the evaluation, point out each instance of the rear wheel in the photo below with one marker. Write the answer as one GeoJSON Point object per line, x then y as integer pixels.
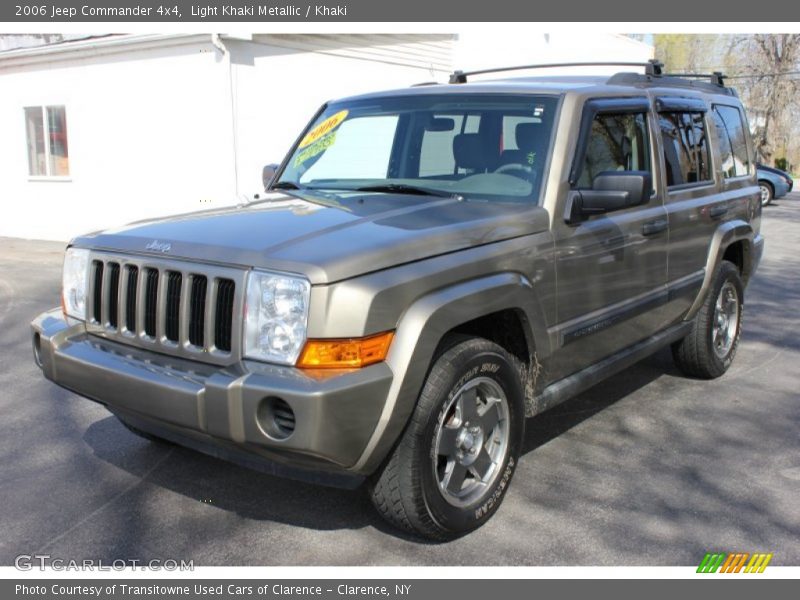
{"type": "Point", "coordinates": [709, 348]}
{"type": "Point", "coordinates": [452, 466]}
{"type": "Point", "coordinates": [766, 193]}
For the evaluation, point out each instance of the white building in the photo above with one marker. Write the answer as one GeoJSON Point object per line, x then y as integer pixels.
{"type": "Point", "coordinates": [102, 131]}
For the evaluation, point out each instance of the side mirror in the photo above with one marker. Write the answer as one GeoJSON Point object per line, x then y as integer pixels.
{"type": "Point", "coordinates": [267, 173]}
{"type": "Point", "coordinates": [611, 190]}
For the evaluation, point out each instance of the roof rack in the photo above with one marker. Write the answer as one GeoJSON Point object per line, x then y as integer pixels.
{"type": "Point", "coordinates": [653, 74]}
{"type": "Point", "coordinates": [715, 78]}
{"type": "Point", "coordinates": [651, 67]}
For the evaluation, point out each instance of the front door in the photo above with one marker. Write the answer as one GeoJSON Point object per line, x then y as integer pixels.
{"type": "Point", "coordinates": [611, 268]}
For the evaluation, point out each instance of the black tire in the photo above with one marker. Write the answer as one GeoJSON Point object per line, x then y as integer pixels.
{"type": "Point", "coordinates": [767, 192]}
{"type": "Point", "coordinates": [696, 354]}
{"type": "Point", "coordinates": [143, 434]}
{"type": "Point", "coordinates": [406, 491]}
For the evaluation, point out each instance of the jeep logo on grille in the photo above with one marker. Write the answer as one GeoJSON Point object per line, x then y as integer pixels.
{"type": "Point", "coordinates": [157, 246]}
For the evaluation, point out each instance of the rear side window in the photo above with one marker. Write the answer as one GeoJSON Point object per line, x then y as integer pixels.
{"type": "Point", "coordinates": [686, 157]}
{"type": "Point", "coordinates": [732, 141]}
{"type": "Point", "coordinates": [617, 142]}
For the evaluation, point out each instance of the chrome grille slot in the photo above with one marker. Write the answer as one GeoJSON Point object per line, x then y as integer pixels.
{"type": "Point", "coordinates": [130, 298]}
{"type": "Point", "coordinates": [197, 308]}
{"type": "Point", "coordinates": [150, 302]}
{"type": "Point", "coordinates": [97, 307]}
{"type": "Point", "coordinates": [169, 306]}
{"type": "Point", "coordinates": [113, 295]}
{"type": "Point", "coordinates": [172, 323]}
{"type": "Point", "coordinates": [224, 315]}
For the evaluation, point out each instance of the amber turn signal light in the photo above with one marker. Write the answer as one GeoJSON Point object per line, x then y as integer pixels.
{"type": "Point", "coordinates": [345, 354]}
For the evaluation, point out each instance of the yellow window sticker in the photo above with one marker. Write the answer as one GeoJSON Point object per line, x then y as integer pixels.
{"type": "Point", "coordinates": [326, 126]}
{"type": "Point", "coordinates": [317, 147]}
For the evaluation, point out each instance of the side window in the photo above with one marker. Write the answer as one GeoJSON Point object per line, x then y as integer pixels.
{"type": "Point", "coordinates": [617, 142]}
{"type": "Point", "coordinates": [686, 157]}
{"type": "Point", "coordinates": [732, 141]}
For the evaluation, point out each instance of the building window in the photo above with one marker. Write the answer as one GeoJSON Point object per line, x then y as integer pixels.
{"type": "Point", "coordinates": [46, 131]}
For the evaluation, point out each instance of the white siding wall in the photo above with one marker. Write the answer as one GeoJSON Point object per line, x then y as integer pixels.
{"type": "Point", "coordinates": [281, 81]}
{"type": "Point", "coordinates": [496, 48]}
{"type": "Point", "coordinates": [144, 137]}
{"type": "Point", "coordinates": [151, 132]}
{"type": "Point", "coordinates": [178, 125]}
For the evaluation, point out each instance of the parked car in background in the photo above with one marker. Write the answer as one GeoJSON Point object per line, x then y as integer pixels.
{"type": "Point", "coordinates": [773, 183]}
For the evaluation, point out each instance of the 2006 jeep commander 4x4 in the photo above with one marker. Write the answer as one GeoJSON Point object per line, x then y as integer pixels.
{"type": "Point", "coordinates": [429, 267]}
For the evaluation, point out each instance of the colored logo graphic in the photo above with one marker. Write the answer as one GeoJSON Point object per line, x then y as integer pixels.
{"type": "Point", "coordinates": [734, 562]}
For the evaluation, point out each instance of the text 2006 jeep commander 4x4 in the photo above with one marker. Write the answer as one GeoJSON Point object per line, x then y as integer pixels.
{"type": "Point", "coordinates": [428, 267]}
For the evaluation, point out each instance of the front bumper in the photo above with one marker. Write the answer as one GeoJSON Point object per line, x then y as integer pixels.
{"type": "Point", "coordinates": [223, 411]}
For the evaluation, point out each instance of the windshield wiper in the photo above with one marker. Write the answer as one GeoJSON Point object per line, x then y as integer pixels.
{"type": "Point", "coordinates": [402, 188]}
{"type": "Point", "coordinates": [286, 185]}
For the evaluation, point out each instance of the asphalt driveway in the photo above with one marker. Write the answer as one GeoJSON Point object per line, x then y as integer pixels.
{"type": "Point", "coordinates": [648, 468]}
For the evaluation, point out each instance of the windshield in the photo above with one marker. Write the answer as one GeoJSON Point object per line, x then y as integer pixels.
{"type": "Point", "coordinates": [479, 146]}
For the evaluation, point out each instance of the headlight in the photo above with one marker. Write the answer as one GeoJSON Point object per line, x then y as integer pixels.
{"type": "Point", "coordinates": [276, 316]}
{"type": "Point", "coordinates": [73, 289]}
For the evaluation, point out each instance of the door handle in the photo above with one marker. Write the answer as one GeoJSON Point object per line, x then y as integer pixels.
{"type": "Point", "coordinates": [717, 211]}
{"type": "Point", "coordinates": [654, 227]}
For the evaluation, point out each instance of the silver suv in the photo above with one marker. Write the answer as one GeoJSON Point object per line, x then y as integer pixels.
{"type": "Point", "coordinates": [427, 268]}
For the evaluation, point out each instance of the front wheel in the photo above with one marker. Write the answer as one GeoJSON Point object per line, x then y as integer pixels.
{"type": "Point", "coordinates": [708, 350]}
{"type": "Point", "coordinates": [452, 466]}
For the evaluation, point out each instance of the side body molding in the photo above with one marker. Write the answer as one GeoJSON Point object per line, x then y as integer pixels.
{"type": "Point", "coordinates": [725, 235]}
{"type": "Point", "coordinates": [421, 329]}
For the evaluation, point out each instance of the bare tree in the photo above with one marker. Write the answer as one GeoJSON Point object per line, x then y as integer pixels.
{"type": "Point", "coordinates": [766, 65]}
{"type": "Point", "coordinates": [762, 67]}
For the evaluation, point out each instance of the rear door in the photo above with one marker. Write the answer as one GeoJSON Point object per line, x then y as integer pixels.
{"type": "Point", "coordinates": [698, 197]}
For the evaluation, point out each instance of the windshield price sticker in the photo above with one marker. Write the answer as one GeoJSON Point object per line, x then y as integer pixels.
{"type": "Point", "coordinates": [326, 126]}
{"type": "Point", "coordinates": [316, 148]}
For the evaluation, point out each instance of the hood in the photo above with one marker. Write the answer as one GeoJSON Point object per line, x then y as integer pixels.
{"type": "Point", "coordinates": [325, 237]}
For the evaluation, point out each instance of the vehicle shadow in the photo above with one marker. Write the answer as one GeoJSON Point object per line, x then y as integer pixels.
{"type": "Point", "coordinates": [552, 423]}
{"type": "Point", "coordinates": [257, 496]}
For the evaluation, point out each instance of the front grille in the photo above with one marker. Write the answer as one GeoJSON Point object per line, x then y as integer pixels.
{"type": "Point", "coordinates": [176, 308]}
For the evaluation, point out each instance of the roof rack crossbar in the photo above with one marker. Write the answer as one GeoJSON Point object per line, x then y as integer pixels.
{"type": "Point", "coordinates": [716, 78]}
{"type": "Point", "coordinates": [651, 67]}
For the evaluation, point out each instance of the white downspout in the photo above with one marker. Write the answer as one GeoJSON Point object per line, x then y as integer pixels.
{"type": "Point", "coordinates": [216, 40]}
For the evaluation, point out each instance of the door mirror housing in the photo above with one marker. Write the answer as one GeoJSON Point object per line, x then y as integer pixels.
{"type": "Point", "coordinates": [611, 190]}
{"type": "Point", "coordinates": [267, 174]}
